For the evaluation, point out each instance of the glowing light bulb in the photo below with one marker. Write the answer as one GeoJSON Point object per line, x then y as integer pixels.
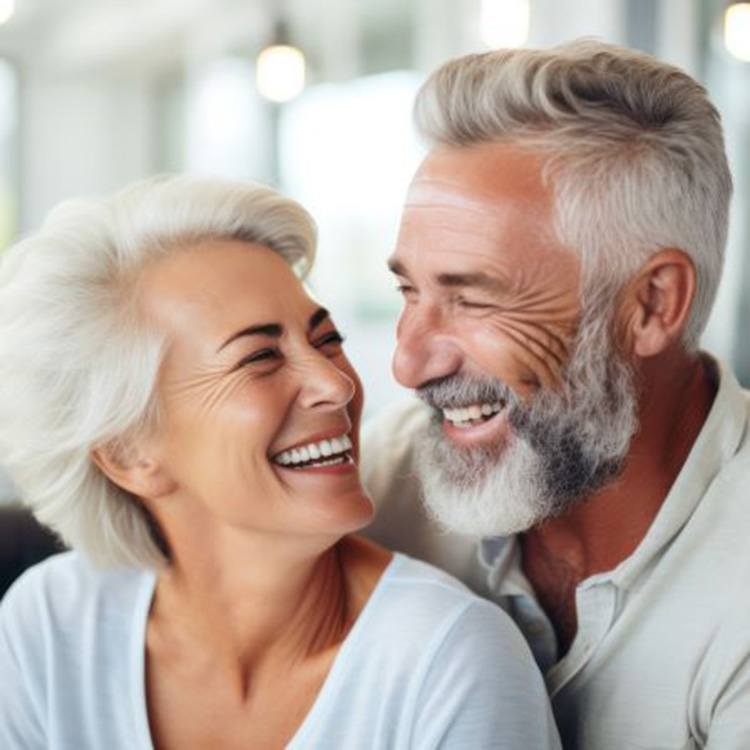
{"type": "Point", "coordinates": [7, 9]}
{"type": "Point", "coordinates": [737, 30]}
{"type": "Point", "coordinates": [280, 72]}
{"type": "Point", "coordinates": [505, 23]}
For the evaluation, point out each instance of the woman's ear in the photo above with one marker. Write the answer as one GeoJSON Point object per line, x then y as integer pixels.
{"type": "Point", "coordinates": [655, 305]}
{"type": "Point", "coordinates": [129, 468]}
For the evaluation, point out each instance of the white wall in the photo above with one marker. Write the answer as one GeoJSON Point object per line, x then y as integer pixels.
{"type": "Point", "coordinates": [82, 135]}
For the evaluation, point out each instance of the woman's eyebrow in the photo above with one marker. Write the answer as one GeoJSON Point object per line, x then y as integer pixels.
{"type": "Point", "coordinates": [275, 329]}
{"type": "Point", "coordinates": [263, 329]}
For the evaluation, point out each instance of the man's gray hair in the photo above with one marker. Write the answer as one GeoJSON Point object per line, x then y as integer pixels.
{"type": "Point", "coordinates": [632, 147]}
{"type": "Point", "coordinates": [78, 360]}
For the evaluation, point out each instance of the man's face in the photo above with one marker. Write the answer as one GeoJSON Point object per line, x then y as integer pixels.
{"type": "Point", "coordinates": [487, 336]}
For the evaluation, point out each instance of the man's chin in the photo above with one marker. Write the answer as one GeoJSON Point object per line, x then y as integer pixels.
{"type": "Point", "coordinates": [469, 523]}
{"type": "Point", "coordinates": [481, 494]}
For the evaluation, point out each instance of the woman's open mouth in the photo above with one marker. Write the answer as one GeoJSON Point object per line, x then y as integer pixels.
{"type": "Point", "coordinates": [335, 451]}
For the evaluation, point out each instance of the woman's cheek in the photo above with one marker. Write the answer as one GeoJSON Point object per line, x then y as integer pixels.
{"type": "Point", "coordinates": [355, 406]}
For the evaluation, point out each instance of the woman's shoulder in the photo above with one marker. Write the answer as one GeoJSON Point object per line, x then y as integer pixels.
{"type": "Point", "coordinates": [432, 606]}
{"type": "Point", "coordinates": [443, 661]}
{"type": "Point", "coordinates": [65, 588]}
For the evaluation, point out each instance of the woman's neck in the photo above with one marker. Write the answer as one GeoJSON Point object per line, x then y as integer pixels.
{"type": "Point", "coordinates": [266, 603]}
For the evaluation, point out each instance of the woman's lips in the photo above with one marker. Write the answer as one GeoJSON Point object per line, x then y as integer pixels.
{"type": "Point", "coordinates": [345, 466]}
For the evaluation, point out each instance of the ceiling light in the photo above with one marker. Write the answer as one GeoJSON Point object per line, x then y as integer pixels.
{"type": "Point", "coordinates": [280, 72]}
{"type": "Point", "coordinates": [280, 67]}
{"type": "Point", "coordinates": [505, 23]}
{"type": "Point", "coordinates": [737, 30]}
{"type": "Point", "coordinates": [7, 9]}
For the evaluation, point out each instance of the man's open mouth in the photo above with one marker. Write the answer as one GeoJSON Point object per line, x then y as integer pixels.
{"type": "Point", "coordinates": [330, 452]}
{"type": "Point", "coordinates": [472, 414]}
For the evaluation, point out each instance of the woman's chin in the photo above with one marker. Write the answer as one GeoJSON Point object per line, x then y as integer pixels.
{"type": "Point", "coordinates": [344, 514]}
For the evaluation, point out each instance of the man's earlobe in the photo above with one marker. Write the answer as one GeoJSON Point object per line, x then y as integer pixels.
{"type": "Point", "coordinates": [657, 303]}
{"type": "Point", "coordinates": [140, 475]}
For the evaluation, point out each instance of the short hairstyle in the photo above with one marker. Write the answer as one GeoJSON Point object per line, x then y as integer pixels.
{"type": "Point", "coordinates": [79, 361]}
{"type": "Point", "coordinates": [632, 148]}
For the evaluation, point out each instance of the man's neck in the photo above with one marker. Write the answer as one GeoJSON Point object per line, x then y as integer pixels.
{"type": "Point", "coordinates": [604, 529]}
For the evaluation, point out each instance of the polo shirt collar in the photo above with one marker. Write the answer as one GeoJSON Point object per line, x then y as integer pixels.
{"type": "Point", "coordinates": [717, 442]}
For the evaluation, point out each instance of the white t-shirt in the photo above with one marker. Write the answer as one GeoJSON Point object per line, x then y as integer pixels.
{"type": "Point", "coordinates": [426, 665]}
{"type": "Point", "coordinates": [661, 657]}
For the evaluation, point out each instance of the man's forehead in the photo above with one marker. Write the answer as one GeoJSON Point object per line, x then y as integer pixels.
{"type": "Point", "coordinates": [485, 181]}
{"type": "Point", "coordinates": [425, 192]}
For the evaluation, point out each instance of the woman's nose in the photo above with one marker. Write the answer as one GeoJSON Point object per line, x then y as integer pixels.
{"type": "Point", "coordinates": [424, 352]}
{"type": "Point", "coordinates": [324, 385]}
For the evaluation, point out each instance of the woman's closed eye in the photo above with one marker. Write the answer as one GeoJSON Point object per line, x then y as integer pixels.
{"type": "Point", "coordinates": [270, 356]}
{"type": "Point", "coordinates": [262, 356]}
{"type": "Point", "coordinates": [329, 343]}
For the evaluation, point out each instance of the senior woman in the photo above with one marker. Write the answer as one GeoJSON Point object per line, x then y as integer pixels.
{"type": "Point", "coordinates": [181, 412]}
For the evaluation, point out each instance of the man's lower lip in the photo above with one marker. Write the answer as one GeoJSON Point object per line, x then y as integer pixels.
{"type": "Point", "coordinates": [489, 432]}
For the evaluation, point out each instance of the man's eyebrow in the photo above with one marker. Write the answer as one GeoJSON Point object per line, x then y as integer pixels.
{"type": "Point", "coordinates": [477, 279]}
{"type": "Point", "coordinates": [275, 329]}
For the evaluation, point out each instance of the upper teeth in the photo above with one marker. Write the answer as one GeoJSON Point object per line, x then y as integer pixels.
{"type": "Point", "coordinates": [474, 411]}
{"type": "Point", "coordinates": [313, 451]}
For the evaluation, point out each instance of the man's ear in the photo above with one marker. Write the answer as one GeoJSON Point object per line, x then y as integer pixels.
{"type": "Point", "coordinates": [655, 305]}
{"type": "Point", "coordinates": [139, 474]}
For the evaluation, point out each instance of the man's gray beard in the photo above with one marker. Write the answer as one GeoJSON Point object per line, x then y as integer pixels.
{"type": "Point", "coordinates": [564, 444]}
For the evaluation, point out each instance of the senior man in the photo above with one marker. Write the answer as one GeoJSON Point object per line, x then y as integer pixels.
{"type": "Point", "coordinates": [558, 256]}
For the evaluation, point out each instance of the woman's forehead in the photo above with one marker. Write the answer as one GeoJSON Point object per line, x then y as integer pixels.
{"type": "Point", "coordinates": [210, 289]}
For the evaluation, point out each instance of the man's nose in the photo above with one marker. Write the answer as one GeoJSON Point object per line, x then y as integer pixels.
{"type": "Point", "coordinates": [425, 350]}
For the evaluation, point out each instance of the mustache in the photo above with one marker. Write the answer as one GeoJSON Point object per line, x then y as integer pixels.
{"type": "Point", "coordinates": [454, 391]}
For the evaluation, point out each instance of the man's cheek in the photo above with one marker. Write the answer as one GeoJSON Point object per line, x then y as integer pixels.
{"type": "Point", "coordinates": [506, 352]}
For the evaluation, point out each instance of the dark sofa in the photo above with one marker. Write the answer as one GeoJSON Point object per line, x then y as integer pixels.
{"type": "Point", "coordinates": [23, 543]}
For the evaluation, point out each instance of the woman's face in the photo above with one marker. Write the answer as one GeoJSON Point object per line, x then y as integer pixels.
{"type": "Point", "coordinates": [260, 405]}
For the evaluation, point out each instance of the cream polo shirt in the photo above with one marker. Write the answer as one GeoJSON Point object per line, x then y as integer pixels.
{"type": "Point", "coordinates": [661, 659]}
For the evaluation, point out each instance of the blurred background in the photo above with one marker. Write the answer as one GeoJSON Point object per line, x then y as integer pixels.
{"type": "Point", "coordinates": [314, 98]}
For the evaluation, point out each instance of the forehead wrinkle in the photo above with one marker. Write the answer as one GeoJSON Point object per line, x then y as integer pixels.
{"type": "Point", "coordinates": [500, 224]}
{"type": "Point", "coordinates": [429, 192]}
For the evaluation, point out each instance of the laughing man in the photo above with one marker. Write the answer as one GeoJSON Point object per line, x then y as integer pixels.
{"type": "Point", "coordinates": [559, 253]}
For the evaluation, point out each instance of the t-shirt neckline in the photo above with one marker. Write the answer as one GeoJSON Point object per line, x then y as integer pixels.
{"type": "Point", "coordinates": [327, 690]}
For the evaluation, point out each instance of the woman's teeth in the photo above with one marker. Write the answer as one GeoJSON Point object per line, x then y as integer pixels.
{"type": "Point", "coordinates": [472, 413]}
{"type": "Point", "coordinates": [323, 453]}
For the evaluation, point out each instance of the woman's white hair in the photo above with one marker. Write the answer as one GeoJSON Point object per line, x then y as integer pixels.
{"type": "Point", "coordinates": [632, 147]}
{"type": "Point", "coordinates": [79, 363]}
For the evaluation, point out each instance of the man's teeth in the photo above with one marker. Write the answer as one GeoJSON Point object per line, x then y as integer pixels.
{"type": "Point", "coordinates": [472, 412]}
{"type": "Point", "coordinates": [322, 453]}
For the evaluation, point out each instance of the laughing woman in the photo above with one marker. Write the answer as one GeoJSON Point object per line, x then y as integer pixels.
{"type": "Point", "coordinates": [181, 412]}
